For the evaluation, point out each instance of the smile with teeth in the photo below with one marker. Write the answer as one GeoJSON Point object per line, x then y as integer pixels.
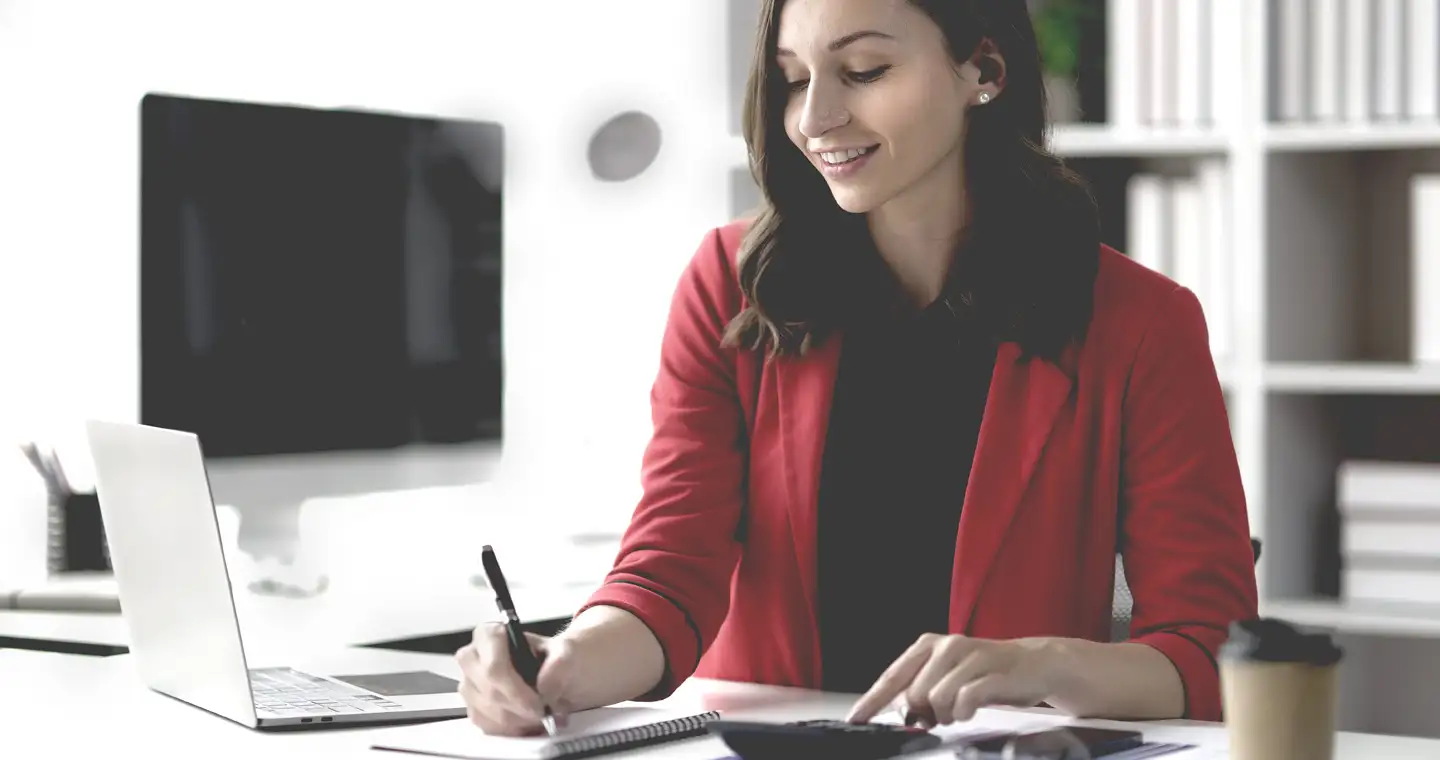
{"type": "Point", "coordinates": [840, 158]}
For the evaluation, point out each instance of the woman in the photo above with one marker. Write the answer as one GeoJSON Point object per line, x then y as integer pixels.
{"type": "Point", "coordinates": [924, 290]}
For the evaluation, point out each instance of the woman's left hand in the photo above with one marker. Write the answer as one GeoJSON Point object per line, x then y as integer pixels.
{"type": "Point", "coordinates": [947, 678]}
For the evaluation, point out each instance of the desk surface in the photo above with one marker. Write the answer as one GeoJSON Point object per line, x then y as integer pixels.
{"type": "Point", "coordinates": [400, 566]}
{"type": "Point", "coordinates": [323, 622]}
{"type": "Point", "coordinates": [45, 696]}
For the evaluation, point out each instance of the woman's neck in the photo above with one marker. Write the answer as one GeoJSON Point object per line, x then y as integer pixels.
{"type": "Point", "coordinates": [917, 232]}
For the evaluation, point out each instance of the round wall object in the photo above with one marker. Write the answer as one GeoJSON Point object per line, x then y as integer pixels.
{"type": "Point", "coordinates": [624, 146]}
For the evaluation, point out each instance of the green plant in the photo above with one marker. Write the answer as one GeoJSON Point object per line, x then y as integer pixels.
{"type": "Point", "coordinates": [1057, 29]}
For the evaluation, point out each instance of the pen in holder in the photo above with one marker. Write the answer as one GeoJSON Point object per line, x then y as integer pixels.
{"type": "Point", "coordinates": [76, 530]}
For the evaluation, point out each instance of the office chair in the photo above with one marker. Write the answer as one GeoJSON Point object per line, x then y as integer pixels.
{"type": "Point", "coordinates": [1124, 603]}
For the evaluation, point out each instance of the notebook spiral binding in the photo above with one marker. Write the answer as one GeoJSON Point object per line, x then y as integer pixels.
{"type": "Point", "coordinates": [631, 738]}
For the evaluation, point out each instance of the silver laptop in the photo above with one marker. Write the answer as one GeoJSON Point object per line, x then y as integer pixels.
{"type": "Point", "coordinates": [176, 597]}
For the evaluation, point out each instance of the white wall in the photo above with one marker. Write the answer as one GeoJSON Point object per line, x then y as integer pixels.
{"type": "Point", "coordinates": [589, 267]}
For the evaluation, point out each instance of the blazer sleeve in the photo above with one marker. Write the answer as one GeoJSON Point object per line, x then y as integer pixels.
{"type": "Point", "coordinates": [680, 550]}
{"type": "Point", "coordinates": [1186, 533]}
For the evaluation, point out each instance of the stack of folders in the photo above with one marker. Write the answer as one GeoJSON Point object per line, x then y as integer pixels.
{"type": "Point", "coordinates": [1164, 67]}
{"type": "Point", "coordinates": [1390, 532]}
{"type": "Point", "coordinates": [1180, 226]}
{"type": "Point", "coordinates": [1355, 61]}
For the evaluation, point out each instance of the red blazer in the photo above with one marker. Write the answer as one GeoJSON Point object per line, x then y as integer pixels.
{"type": "Point", "coordinates": [1126, 438]}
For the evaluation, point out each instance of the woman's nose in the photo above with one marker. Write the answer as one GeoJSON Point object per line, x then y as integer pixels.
{"type": "Point", "coordinates": [824, 110]}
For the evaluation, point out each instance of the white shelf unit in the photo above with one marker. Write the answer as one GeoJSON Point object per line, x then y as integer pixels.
{"type": "Point", "coordinates": [1319, 368]}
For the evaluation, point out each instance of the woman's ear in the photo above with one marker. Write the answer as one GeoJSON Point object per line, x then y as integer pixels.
{"type": "Point", "coordinates": [989, 68]}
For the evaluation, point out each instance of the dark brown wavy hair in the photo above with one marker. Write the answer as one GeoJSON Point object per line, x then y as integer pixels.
{"type": "Point", "coordinates": [1026, 263]}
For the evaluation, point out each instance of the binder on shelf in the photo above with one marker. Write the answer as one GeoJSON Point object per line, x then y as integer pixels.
{"type": "Point", "coordinates": [1225, 69]}
{"type": "Point", "coordinates": [1290, 35]}
{"type": "Point", "coordinates": [1425, 267]}
{"type": "Point", "coordinates": [1126, 73]}
{"type": "Point", "coordinates": [1189, 237]}
{"type": "Point", "coordinates": [1191, 53]}
{"type": "Point", "coordinates": [1148, 225]}
{"type": "Point", "coordinates": [1214, 178]}
{"type": "Point", "coordinates": [1324, 69]}
{"type": "Point", "coordinates": [1359, 61]}
{"type": "Point", "coordinates": [1389, 48]}
{"type": "Point", "coordinates": [1422, 49]}
{"type": "Point", "coordinates": [1163, 34]}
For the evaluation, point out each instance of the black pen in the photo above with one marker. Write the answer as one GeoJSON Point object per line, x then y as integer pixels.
{"type": "Point", "coordinates": [523, 657]}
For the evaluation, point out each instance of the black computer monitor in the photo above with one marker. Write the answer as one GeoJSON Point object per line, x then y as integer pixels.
{"type": "Point", "coordinates": [318, 280]}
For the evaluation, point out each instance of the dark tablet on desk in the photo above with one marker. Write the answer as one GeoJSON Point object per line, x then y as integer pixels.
{"type": "Point", "coordinates": [1059, 743]}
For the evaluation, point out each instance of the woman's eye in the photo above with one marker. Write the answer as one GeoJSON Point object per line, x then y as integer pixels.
{"type": "Point", "coordinates": [862, 77]}
{"type": "Point", "coordinates": [869, 75]}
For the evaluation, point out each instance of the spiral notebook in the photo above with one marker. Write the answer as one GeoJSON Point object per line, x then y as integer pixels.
{"type": "Point", "coordinates": [588, 734]}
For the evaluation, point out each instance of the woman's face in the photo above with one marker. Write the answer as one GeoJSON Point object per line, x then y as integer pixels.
{"type": "Point", "coordinates": [877, 104]}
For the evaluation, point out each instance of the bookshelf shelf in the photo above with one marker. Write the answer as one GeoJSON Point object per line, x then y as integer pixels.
{"type": "Point", "coordinates": [1351, 137]}
{"type": "Point", "coordinates": [1375, 619]}
{"type": "Point", "coordinates": [1352, 377]}
{"type": "Point", "coordinates": [1094, 141]}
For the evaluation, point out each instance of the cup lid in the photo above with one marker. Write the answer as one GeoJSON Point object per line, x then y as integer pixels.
{"type": "Point", "coordinates": [1274, 640]}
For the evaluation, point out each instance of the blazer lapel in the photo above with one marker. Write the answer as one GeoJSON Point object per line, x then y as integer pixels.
{"type": "Point", "coordinates": [1024, 399]}
{"type": "Point", "coordinates": [807, 387]}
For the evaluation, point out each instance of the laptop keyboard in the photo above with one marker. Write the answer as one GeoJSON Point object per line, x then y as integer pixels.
{"type": "Point", "coordinates": [286, 692]}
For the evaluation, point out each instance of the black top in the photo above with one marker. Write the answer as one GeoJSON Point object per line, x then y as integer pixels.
{"type": "Point", "coordinates": [909, 397]}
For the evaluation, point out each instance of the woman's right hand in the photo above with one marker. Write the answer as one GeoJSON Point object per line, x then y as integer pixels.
{"type": "Point", "coordinates": [496, 698]}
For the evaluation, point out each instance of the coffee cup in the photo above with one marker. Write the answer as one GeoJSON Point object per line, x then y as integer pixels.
{"type": "Point", "coordinates": [1280, 692]}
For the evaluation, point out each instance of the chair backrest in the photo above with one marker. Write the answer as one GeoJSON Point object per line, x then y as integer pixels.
{"type": "Point", "coordinates": [1123, 605]}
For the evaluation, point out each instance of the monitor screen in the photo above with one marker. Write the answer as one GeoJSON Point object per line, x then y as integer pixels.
{"type": "Point", "coordinates": [318, 280]}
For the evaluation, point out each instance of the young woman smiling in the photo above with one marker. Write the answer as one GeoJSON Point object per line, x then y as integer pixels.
{"type": "Point", "coordinates": [907, 416]}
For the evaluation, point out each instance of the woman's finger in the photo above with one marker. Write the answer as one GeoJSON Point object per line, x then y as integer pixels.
{"type": "Point", "coordinates": [944, 696]}
{"type": "Point", "coordinates": [555, 677]}
{"type": "Point", "coordinates": [493, 668]}
{"type": "Point", "coordinates": [893, 682]}
{"type": "Point", "coordinates": [498, 721]}
{"type": "Point", "coordinates": [946, 656]}
{"type": "Point", "coordinates": [992, 689]}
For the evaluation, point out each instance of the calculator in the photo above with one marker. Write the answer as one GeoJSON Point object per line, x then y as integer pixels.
{"type": "Point", "coordinates": [830, 739]}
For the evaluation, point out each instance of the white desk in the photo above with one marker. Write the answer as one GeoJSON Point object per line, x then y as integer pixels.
{"type": "Point", "coordinates": [324, 622]}
{"type": "Point", "coordinates": [85, 630]}
{"type": "Point", "coordinates": [399, 565]}
{"type": "Point", "coordinates": [78, 706]}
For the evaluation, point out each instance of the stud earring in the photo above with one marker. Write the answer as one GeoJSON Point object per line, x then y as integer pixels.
{"type": "Point", "coordinates": [984, 97]}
